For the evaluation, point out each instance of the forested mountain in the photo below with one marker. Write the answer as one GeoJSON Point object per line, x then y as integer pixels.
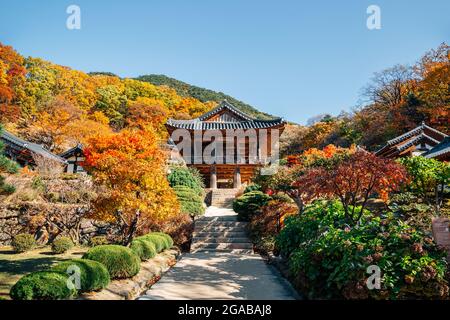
{"type": "Point", "coordinates": [397, 99]}
{"type": "Point", "coordinates": [57, 106]}
{"type": "Point", "coordinates": [202, 94]}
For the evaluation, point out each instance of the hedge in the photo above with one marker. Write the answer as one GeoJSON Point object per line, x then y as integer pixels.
{"type": "Point", "coordinates": [120, 261]}
{"type": "Point", "coordinates": [94, 275]}
{"type": "Point", "coordinates": [167, 237]}
{"type": "Point", "coordinates": [145, 249]}
{"type": "Point", "coordinates": [160, 242]}
{"type": "Point", "coordinates": [42, 285]}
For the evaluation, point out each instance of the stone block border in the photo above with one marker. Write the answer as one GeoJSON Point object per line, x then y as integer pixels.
{"type": "Point", "coordinates": [129, 289]}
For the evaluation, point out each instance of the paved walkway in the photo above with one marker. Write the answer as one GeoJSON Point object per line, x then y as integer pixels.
{"type": "Point", "coordinates": [221, 275]}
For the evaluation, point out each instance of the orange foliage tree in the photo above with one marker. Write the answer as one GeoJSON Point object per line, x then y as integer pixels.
{"type": "Point", "coordinates": [129, 168]}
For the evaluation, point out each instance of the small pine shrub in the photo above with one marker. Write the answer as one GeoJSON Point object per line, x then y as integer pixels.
{"type": "Point", "coordinates": [61, 245]}
{"type": "Point", "coordinates": [188, 177]}
{"type": "Point", "coordinates": [23, 242]}
{"type": "Point", "coordinates": [120, 261]}
{"type": "Point", "coordinates": [93, 275]}
{"type": "Point", "coordinates": [190, 202]}
{"type": "Point", "coordinates": [42, 285]}
{"type": "Point", "coordinates": [250, 204]}
{"type": "Point", "coordinates": [145, 249]}
{"type": "Point", "coordinates": [98, 241]}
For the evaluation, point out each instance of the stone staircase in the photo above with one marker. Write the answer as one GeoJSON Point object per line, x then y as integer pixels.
{"type": "Point", "coordinates": [220, 234]}
{"type": "Point", "coordinates": [222, 198]}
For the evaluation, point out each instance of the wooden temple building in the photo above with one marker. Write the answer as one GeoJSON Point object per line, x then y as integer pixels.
{"type": "Point", "coordinates": [230, 167]}
{"type": "Point", "coordinates": [418, 141]}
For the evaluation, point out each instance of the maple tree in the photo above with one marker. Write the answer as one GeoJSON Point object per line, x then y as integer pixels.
{"type": "Point", "coordinates": [129, 168]}
{"type": "Point", "coordinates": [353, 179]}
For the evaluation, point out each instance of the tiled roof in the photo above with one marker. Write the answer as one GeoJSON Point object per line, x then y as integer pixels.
{"type": "Point", "coordinates": [68, 153]}
{"type": "Point", "coordinates": [421, 132]}
{"type": "Point", "coordinates": [247, 122]}
{"type": "Point", "coordinates": [441, 149]}
{"type": "Point", "coordinates": [32, 147]}
{"type": "Point", "coordinates": [225, 105]}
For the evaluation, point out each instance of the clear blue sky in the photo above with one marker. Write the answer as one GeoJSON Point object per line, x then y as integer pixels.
{"type": "Point", "coordinates": [294, 59]}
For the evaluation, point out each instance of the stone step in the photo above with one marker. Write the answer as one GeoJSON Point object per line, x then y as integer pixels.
{"type": "Point", "coordinates": [220, 218]}
{"type": "Point", "coordinates": [221, 246]}
{"type": "Point", "coordinates": [219, 228]}
{"type": "Point", "coordinates": [212, 230]}
{"type": "Point", "coordinates": [235, 251]}
{"type": "Point", "coordinates": [220, 223]}
{"type": "Point", "coordinates": [223, 233]}
{"type": "Point", "coordinates": [197, 240]}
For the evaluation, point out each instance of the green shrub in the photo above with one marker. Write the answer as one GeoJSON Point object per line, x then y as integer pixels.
{"type": "Point", "coordinates": [145, 249]}
{"type": "Point", "coordinates": [98, 241]}
{"type": "Point", "coordinates": [252, 187]}
{"type": "Point", "coordinates": [188, 177]}
{"type": "Point", "coordinates": [330, 258]}
{"type": "Point", "coordinates": [167, 237]}
{"type": "Point", "coordinates": [120, 261]}
{"type": "Point", "coordinates": [42, 285]}
{"type": "Point", "coordinates": [249, 204]}
{"type": "Point", "coordinates": [159, 241]}
{"type": "Point", "coordinates": [190, 202]}
{"type": "Point", "coordinates": [93, 275]}
{"type": "Point", "coordinates": [23, 242]}
{"type": "Point", "coordinates": [61, 245]}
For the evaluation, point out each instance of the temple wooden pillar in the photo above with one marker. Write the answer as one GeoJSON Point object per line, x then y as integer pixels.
{"type": "Point", "coordinates": [237, 178]}
{"type": "Point", "coordinates": [213, 178]}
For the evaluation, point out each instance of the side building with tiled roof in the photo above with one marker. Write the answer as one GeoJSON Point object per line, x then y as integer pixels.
{"type": "Point", "coordinates": [415, 142]}
{"type": "Point", "coordinates": [23, 151]}
{"type": "Point", "coordinates": [440, 152]}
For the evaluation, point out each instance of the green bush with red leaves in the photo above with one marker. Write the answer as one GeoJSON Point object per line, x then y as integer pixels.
{"type": "Point", "coordinates": [330, 258]}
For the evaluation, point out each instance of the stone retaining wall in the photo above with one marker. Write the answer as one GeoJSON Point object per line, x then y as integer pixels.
{"type": "Point", "coordinates": [24, 218]}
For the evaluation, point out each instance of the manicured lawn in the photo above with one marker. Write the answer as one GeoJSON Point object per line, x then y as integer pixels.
{"type": "Point", "coordinates": [13, 266]}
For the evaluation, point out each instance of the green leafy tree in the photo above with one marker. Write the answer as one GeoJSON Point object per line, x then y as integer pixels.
{"type": "Point", "coordinates": [428, 178]}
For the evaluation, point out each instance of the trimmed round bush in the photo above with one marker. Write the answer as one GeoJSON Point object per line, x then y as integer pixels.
{"type": "Point", "coordinates": [159, 241]}
{"type": "Point", "coordinates": [42, 285]}
{"type": "Point", "coordinates": [23, 242]}
{"type": "Point", "coordinates": [61, 245]}
{"type": "Point", "coordinates": [120, 261]}
{"type": "Point", "coordinates": [93, 275]}
{"type": "Point", "coordinates": [250, 204]}
{"type": "Point", "coordinates": [98, 241]}
{"type": "Point", "coordinates": [168, 238]}
{"type": "Point", "coordinates": [145, 249]}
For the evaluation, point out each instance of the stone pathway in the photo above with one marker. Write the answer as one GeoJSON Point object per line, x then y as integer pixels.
{"type": "Point", "coordinates": [218, 274]}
